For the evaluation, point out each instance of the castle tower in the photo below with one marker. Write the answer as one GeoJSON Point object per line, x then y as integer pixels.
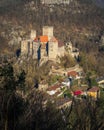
{"type": "Point", "coordinates": [33, 34]}
{"type": "Point", "coordinates": [53, 48]}
{"type": "Point", "coordinates": [48, 31]}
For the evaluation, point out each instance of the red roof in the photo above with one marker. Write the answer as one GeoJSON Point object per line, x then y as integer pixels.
{"type": "Point", "coordinates": [77, 92]}
{"type": "Point", "coordinates": [60, 44]}
{"type": "Point", "coordinates": [53, 39]}
{"type": "Point", "coordinates": [94, 89]}
{"type": "Point", "coordinates": [53, 87]}
{"type": "Point", "coordinates": [72, 73]}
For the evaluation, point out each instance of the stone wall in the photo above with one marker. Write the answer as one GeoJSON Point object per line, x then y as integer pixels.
{"type": "Point", "coordinates": [53, 50]}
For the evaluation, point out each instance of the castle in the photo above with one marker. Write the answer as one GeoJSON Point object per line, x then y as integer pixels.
{"type": "Point", "coordinates": [42, 47]}
{"type": "Point", "coordinates": [46, 46]}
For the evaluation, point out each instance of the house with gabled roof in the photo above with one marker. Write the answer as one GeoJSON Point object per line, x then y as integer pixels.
{"type": "Point", "coordinates": [73, 74]}
{"type": "Point", "coordinates": [54, 89]}
{"type": "Point", "coordinates": [94, 92]}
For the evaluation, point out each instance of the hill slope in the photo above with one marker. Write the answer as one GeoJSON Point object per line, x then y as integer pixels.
{"type": "Point", "coordinates": [80, 19]}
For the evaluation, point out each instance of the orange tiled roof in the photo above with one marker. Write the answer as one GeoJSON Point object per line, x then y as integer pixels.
{"type": "Point", "coordinates": [41, 39]}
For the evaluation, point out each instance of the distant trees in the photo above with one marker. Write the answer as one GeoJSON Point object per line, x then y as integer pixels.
{"type": "Point", "coordinates": [67, 61]}
{"type": "Point", "coordinates": [86, 115]}
{"type": "Point", "coordinates": [11, 103]}
{"type": "Point", "coordinates": [88, 62]}
{"type": "Point", "coordinates": [43, 116]}
{"type": "Point", "coordinates": [92, 62]}
{"type": "Point", "coordinates": [34, 72]}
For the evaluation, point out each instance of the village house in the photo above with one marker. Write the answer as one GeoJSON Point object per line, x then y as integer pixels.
{"type": "Point", "coordinates": [73, 74]}
{"type": "Point", "coordinates": [94, 92]}
{"type": "Point", "coordinates": [67, 83]}
{"type": "Point", "coordinates": [78, 93]}
{"type": "Point", "coordinates": [100, 82]}
{"type": "Point", "coordinates": [54, 89]}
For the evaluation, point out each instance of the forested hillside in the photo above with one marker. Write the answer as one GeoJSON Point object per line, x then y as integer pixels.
{"type": "Point", "coordinates": [80, 16]}
{"type": "Point", "coordinates": [82, 22]}
{"type": "Point", "coordinates": [22, 105]}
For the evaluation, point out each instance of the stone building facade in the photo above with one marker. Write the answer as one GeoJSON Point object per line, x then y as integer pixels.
{"type": "Point", "coordinates": [46, 46]}
{"type": "Point", "coordinates": [41, 47]}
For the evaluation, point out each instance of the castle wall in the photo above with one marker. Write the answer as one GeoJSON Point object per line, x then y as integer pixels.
{"type": "Point", "coordinates": [43, 51]}
{"type": "Point", "coordinates": [36, 51]}
{"type": "Point", "coordinates": [53, 50]}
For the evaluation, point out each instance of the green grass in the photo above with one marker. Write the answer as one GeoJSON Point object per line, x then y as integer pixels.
{"type": "Point", "coordinates": [68, 93]}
